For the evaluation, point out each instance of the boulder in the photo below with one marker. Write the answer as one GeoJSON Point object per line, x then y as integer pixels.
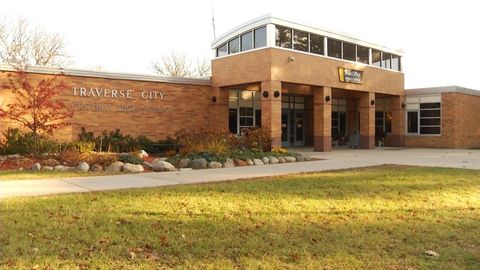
{"type": "Point", "coordinates": [133, 168]}
{"type": "Point", "coordinates": [50, 162]}
{"type": "Point", "coordinates": [147, 165]}
{"type": "Point", "coordinates": [47, 168]}
{"type": "Point", "coordinates": [308, 158]}
{"type": "Point", "coordinates": [273, 160]}
{"type": "Point", "coordinates": [229, 163]}
{"type": "Point", "coordinates": [163, 166]}
{"type": "Point", "coordinates": [239, 162]}
{"type": "Point", "coordinates": [290, 159]}
{"type": "Point", "coordinates": [3, 158]}
{"type": "Point", "coordinates": [142, 154]}
{"type": "Point", "coordinates": [159, 159]}
{"type": "Point", "coordinates": [15, 156]}
{"type": "Point", "coordinates": [257, 161]}
{"type": "Point", "coordinates": [83, 167]}
{"type": "Point", "coordinates": [214, 165]}
{"type": "Point", "coordinates": [266, 160]}
{"type": "Point", "coordinates": [183, 163]}
{"type": "Point", "coordinates": [63, 168]}
{"type": "Point", "coordinates": [281, 159]}
{"type": "Point", "coordinates": [115, 167]}
{"type": "Point", "coordinates": [36, 167]}
{"type": "Point", "coordinates": [198, 163]}
{"type": "Point", "coordinates": [96, 168]}
{"type": "Point", "coordinates": [249, 162]}
{"type": "Point", "coordinates": [300, 158]}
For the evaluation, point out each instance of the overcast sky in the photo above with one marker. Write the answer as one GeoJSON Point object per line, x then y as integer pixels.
{"type": "Point", "coordinates": [440, 38]}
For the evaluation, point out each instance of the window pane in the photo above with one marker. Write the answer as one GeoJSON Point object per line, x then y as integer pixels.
{"type": "Point", "coordinates": [412, 122]}
{"type": "Point", "coordinates": [316, 44]}
{"type": "Point", "coordinates": [433, 105]}
{"type": "Point", "coordinates": [376, 58]}
{"type": "Point", "coordinates": [349, 51]}
{"type": "Point", "coordinates": [234, 45]}
{"type": "Point", "coordinates": [247, 41]}
{"type": "Point", "coordinates": [232, 120]}
{"type": "Point", "coordinates": [246, 112]}
{"type": "Point", "coordinates": [429, 113]}
{"type": "Point", "coordinates": [233, 99]}
{"type": "Point", "coordinates": [429, 130]}
{"type": "Point", "coordinates": [362, 54]}
{"type": "Point", "coordinates": [386, 60]}
{"type": "Point", "coordinates": [258, 118]}
{"type": "Point", "coordinates": [388, 122]}
{"type": "Point", "coordinates": [395, 62]}
{"type": "Point", "coordinates": [222, 50]}
{"type": "Point", "coordinates": [334, 48]}
{"type": "Point", "coordinates": [300, 40]}
{"type": "Point", "coordinates": [429, 121]}
{"type": "Point", "coordinates": [261, 37]}
{"type": "Point", "coordinates": [283, 37]}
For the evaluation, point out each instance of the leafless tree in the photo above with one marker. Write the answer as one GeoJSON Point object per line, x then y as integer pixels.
{"type": "Point", "coordinates": [176, 64]}
{"type": "Point", "coordinates": [22, 45]}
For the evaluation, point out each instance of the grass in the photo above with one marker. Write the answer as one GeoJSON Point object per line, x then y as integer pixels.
{"type": "Point", "coordinates": [31, 175]}
{"type": "Point", "coordinates": [373, 218]}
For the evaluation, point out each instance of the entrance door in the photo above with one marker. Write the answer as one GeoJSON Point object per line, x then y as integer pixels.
{"type": "Point", "coordinates": [293, 121]}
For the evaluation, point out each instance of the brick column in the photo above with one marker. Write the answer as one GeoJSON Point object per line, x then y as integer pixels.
{"type": "Point", "coordinates": [219, 107]}
{"type": "Point", "coordinates": [367, 121]}
{"type": "Point", "coordinates": [272, 110]}
{"type": "Point", "coordinates": [398, 121]}
{"type": "Point", "coordinates": [322, 119]}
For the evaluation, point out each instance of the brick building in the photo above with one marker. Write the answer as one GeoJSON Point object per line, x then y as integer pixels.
{"type": "Point", "coordinates": [308, 86]}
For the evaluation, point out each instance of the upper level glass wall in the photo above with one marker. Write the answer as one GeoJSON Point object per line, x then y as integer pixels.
{"type": "Point", "coordinates": [308, 42]}
{"type": "Point", "coordinates": [255, 38]}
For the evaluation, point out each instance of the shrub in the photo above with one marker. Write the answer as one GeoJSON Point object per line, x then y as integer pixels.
{"type": "Point", "coordinates": [130, 159]}
{"type": "Point", "coordinates": [82, 146]}
{"type": "Point", "coordinates": [103, 159]}
{"type": "Point", "coordinates": [257, 139]}
{"type": "Point", "coordinates": [70, 156]}
{"type": "Point", "coordinates": [279, 150]}
{"type": "Point", "coordinates": [214, 141]}
{"type": "Point", "coordinates": [18, 142]}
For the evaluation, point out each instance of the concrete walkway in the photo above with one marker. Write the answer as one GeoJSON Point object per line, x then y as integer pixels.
{"type": "Point", "coordinates": [337, 159]}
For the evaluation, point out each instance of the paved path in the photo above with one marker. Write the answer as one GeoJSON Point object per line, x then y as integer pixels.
{"type": "Point", "coordinates": [337, 159]}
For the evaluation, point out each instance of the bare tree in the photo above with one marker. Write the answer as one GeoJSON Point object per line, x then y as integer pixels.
{"type": "Point", "coordinates": [22, 45]}
{"type": "Point", "coordinates": [176, 64]}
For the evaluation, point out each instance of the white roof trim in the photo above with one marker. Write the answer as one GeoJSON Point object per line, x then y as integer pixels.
{"type": "Point", "coordinates": [109, 75]}
{"type": "Point", "coordinates": [269, 19]}
{"type": "Point", "coordinates": [441, 89]}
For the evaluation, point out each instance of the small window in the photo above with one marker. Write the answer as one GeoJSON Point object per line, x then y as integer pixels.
{"type": "Point", "coordinates": [247, 41]}
{"type": "Point", "coordinates": [349, 51]}
{"type": "Point", "coordinates": [316, 44]}
{"type": "Point", "coordinates": [412, 122]}
{"type": "Point", "coordinates": [234, 46]}
{"type": "Point", "coordinates": [396, 62]}
{"type": "Point", "coordinates": [334, 48]}
{"type": "Point", "coordinates": [300, 40]}
{"type": "Point", "coordinates": [376, 58]}
{"type": "Point", "coordinates": [260, 37]}
{"type": "Point", "coordinates": [283, 37]}
{"type": "Point", "coordinates": [387, 60]}
{"type": "Point", "coordinates": [362, 54]}
{"type": "Point", "coordinates": [222, 50]}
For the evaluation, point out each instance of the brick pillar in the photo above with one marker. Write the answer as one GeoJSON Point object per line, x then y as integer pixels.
{"type": "Point", "coordinates": [219, 107]}
{"type": "Point", "coordinates": [272, 110]}
{"type": "Point", "coordinates": [367, 121]}
{"type": "Point", "coordinates": [322, 119]}
{"type": "Point", "coordinates": [398, 121]}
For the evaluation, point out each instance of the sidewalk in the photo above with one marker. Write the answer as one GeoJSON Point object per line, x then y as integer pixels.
{"type": "Point", "coordinates": [338, 159]}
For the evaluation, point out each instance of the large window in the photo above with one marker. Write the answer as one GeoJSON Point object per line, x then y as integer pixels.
{"type": "Point", "coordinates": [334, 48]}
{"type": "Point", "coordinates": [300, 40]}
{"type": "Point", "coordinates": [424, 115]}
{"type": "Point", "coordinates": [222, 50]}
{"type": "Point", "coordinates": [349, 51]}
{"type": "Point", "coordinates": [386, 60]}
{"type": "Point", "coordinates": [316, 44]}
{"type": "Point", "coordinates": [234, 45]}
{"type": "Point", "coordinates": [396, 62]}
{"type": "Point", "coordinates": [244, 110]}
{"type": "Point", "coordinates": [260, 37]}
{"type": "Point", "coordinates": [379, 125]}
{"type": "Point", "coordinates": [362, 54]}
{"type": "Point", "coordinates": [246, 41]}
{"type": "Point", "coordinates": [283, 37]}
{"type": "Point", "coordinates": [339, 118]}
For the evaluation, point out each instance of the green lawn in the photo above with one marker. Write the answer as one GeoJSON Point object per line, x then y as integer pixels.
{"type": "Point", "coordinates": [373, 218]}
{"type": "Point", "coordinates": [27, 174]}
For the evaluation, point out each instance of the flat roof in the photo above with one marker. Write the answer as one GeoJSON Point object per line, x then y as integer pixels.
{"type": "Point", "coordinates": [442, 89]}
{"type": "Point", "coordinates": [108, 75]}
{"type": "Point", "coordinates": [270, 19]}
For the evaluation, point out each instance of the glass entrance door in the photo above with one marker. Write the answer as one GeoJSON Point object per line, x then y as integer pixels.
{"type": "Point", "coordinates": [293, 121]}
